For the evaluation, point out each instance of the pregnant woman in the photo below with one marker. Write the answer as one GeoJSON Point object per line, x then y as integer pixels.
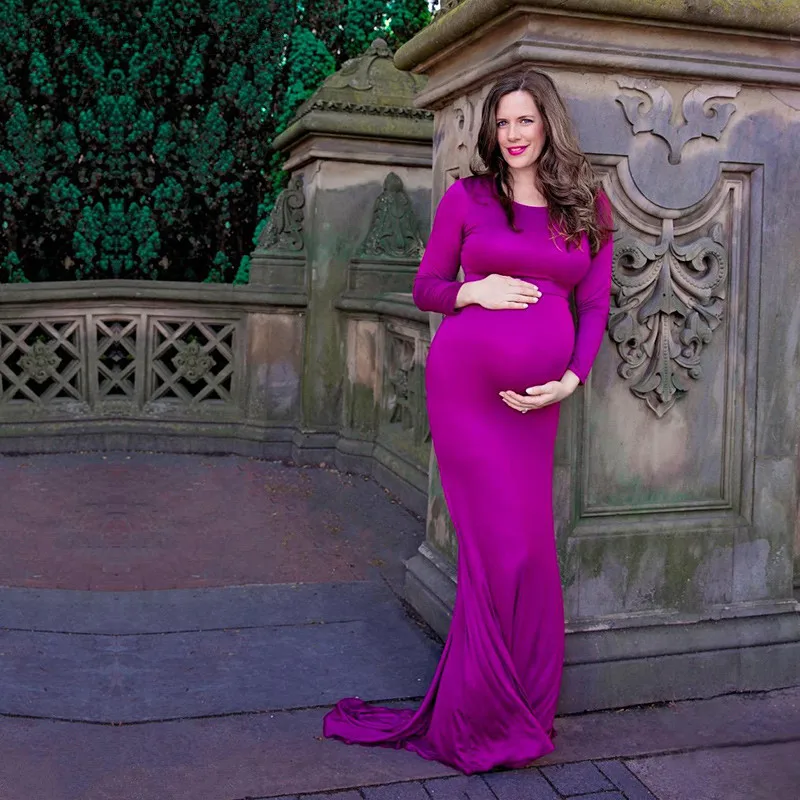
{"type": "Point", "coordinates": [528, 229]}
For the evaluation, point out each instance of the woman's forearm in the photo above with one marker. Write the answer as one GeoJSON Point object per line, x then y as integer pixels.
{"type": "Point", "coordinates": [466, 295]}
{"type": "Point", "coordinates": [570, 380]}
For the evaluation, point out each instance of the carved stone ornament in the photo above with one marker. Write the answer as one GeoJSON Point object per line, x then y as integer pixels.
{"type": "Point", "coordinates": [40, 362]}
{"type": "Point", "coordinates": [668, 299]}
{"type": "Point", "coordinates": [366, 108]}
{"type": "Point", "coordinates": [400, 370]}
{"type": "Point", "coordinates": [284, 230]}
{"type": "Point", "coordinates": [191, 362]}
{"type": "Point", "coordinates": [394, 231]}
{"type": "Point", "coordinates": [355, 73]}
{"type": "Point", "coordinates": [700, 119]}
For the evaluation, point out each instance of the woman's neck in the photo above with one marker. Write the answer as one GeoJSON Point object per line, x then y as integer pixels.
{"type": "Point", "coordinates": [526, 188]}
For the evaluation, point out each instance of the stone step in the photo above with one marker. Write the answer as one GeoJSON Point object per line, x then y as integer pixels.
{"type": "Point", "coordinates": [177, 610]}
{"type": "Point", "coordinates": [218, 652]}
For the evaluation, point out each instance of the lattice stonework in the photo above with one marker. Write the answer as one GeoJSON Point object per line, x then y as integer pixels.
{"type": "Point", "coordinates": [116, 357]}
{"type": "Point", "coordinates": [191, 362]}
{"type": "Point", "coordinates": [41, 361]}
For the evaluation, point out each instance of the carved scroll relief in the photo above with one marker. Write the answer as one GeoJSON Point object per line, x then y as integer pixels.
{"type": "Point", "coordinates": [355, 72]}
{"type": "Point", "coordinates": [701, 118]}
{"type": "Point", "coordinates": [668, 299]}
{"type": "Point", "coordinates": [394, 232]}
{"type": "Point", "coordinates": [388, 258]}
{"type": "Point", "coordinates": [459, 136]}
{"type": "Point", "coordinates": [284, 230]}
{"type": "Point", "coordinates": [402, 401]}
{"type": "Point", "coordinates": [404, 419]}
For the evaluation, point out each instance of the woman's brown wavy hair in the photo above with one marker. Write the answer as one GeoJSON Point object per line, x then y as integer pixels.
{"type": "Point", "coordinates": [565, 176]}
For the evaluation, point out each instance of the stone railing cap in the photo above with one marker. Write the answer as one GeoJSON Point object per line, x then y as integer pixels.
{"type": "Point", "coordinates": [773, 16]}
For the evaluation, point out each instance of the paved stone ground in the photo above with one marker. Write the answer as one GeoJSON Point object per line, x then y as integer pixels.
{"type": "Point", "coordinates": [241, 598]}
{"type": "Point", "coordinates": [119, 522]}
{"type": "Point", "coordinates": [601, 780]}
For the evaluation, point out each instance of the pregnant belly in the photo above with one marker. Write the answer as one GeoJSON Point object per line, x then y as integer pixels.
{"type": "Point", "coordinates": [479, 349]}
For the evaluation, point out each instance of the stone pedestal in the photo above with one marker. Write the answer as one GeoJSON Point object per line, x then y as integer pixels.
{"type": "Point", "coordinates": [677, 464]}
{"type": "Point", "coordinates": [346, 237]}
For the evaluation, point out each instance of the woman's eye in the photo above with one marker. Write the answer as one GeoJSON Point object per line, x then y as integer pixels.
{"type": "Point", "coordinates": [501, 122]}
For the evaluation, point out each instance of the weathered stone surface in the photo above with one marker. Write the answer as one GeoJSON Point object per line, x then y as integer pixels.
{"type": "Point", "coordinates": [279, 260]}
{"type": "Point", "coordinates": [339, 222]}
{"type": "Point", "coordinates": [275, 345]}
{"type": "Point", "coordinates": [362, 389]}
{"type": "Point", "coordinates": [284, 229]}
{"type": "Point", "coordinates": [520, 785]}
{"type": "Point", "coordinates": [137, 678]}
{"type": "Point", "coordinates": [124, 613]}
{"type": "Point", "coordinates": [755, 773]}
{"type": "Point", "coordinates": [397, 791]}
{"type": "Point", "coordinates": [776, 16]}
{"type": "Point", "coordinates": [389, 255]}
{"type": "Point", "coordinates": [461, 788]}
{"type": "Point", "coordinates": [676, 478]}
{"type": "Point", "coordinates": [582, 778]}
{"type": "Point", "coordinates": [624, 779]}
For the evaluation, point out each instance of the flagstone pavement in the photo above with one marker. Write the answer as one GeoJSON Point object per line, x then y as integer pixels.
{"type": "Point", "coordinates": [176, 626]}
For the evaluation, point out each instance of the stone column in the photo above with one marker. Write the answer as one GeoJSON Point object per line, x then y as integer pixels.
{"type": "Point", "coordinates": [677, 464]}
{"type": "Point", "coordinates": [357, 139]}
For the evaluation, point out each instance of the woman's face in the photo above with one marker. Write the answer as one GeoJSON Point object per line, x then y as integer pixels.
{"type": "Point", "coordinates": [520, 129]}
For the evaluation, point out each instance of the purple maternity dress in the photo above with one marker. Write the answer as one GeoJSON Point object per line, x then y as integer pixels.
{"type": "Point", "coordinates": [493, 697]}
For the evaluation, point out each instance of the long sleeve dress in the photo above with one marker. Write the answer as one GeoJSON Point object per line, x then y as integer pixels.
{"type": "Point", "coordinates": [493, 697]}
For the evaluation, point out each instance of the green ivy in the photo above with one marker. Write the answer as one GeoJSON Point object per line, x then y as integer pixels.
{"type": "Point", "coordinates": [135, 134]}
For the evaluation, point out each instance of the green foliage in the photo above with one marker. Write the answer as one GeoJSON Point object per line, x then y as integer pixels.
{"type": "Point", "coordinates": [135, 134]}
{"type": "Point", "coordinates": [11, 268]}
{"type": "Point", "coordinates": [243, 273]}
{"type": "Point", "coordinates": [309, 65]}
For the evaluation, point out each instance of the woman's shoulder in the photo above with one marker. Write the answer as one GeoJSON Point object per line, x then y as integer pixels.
{"type": "Point", "coordinates": [474, 189]}
{"type": "Point", "coordinates": [467, 191]}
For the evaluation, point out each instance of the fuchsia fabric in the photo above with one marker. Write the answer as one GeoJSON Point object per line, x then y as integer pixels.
{"type": "Point", "coordinates": [493, 698]}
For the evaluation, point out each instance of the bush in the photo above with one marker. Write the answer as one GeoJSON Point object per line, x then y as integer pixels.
{"type": "Point", "coordinates": [137, 133]}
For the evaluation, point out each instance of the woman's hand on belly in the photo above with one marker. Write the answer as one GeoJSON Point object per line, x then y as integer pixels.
{"type": "Point", "coordinates": [541, 396]}
{"type": "Point", "coordinates": [497, 292]}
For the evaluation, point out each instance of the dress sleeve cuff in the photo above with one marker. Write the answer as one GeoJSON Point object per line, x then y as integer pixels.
{"type": "Point", "coordinates": [450, 298]}
{"type": "Point", "coordinates": [580, 372]}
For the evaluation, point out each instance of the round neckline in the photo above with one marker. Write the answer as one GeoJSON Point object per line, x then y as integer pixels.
{"type": "Point", "coordinates": [525, 205]}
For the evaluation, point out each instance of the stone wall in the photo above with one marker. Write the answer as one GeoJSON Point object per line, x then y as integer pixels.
{"type": "Point", "coordinates": [677, 464]}
{"type": "Point", "coordinates": [117, 365]}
